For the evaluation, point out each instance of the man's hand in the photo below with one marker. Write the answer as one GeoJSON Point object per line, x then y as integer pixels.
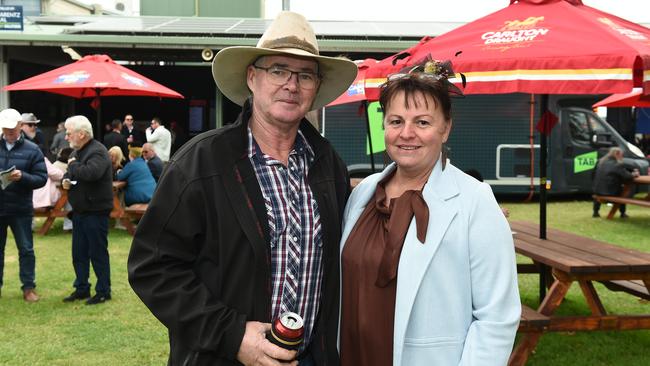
{"type": "Point", "coordinates": [15, 175]}
{"type": "Point", "coordinates": [255, 349]}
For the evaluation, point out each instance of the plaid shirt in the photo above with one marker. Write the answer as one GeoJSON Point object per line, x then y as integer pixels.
{"type": "Point", "coordinates": [281, 187]}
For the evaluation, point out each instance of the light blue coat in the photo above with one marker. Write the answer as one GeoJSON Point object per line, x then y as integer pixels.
{"type": "Point", "coordinates": [457, 299]}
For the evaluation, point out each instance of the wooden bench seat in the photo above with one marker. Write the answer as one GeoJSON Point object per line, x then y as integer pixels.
{"type": "Point", "coordinates": [634, 287]}
{"type": "Point", "coordinates": [620, 200]}
{"type": "Point", "coordinates": [136, 210]}
{"type": "Point", "coordinates": [531, 321]}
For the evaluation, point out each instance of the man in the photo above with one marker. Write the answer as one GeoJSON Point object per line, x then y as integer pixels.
{"type": "Point", "coordinates": [58, 141]}
{"type": "Point", "coordinates": [115, 138]}
{"type": "Point", "coordinates": [29, 126]}
{"type": "Point", "coordinates": [153, 161]}
{"type": "Point", "coordinates": [610, 175]}
{"type": "Point", "coordinates": [134, 137]}
{"type": "Point", "coordinates": [245, 222]}
{"type": "Point", "coordinates": [90, 183]}
{"type": "Point", "coordinates": [16, 210]}
{"type": "Point", "coordinates": [160, 138]}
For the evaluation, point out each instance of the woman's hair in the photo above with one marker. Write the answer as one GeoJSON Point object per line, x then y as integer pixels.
{"type": "Point", "coordinates": [64, 154]}
{"type": "Point", "coordinates": [611, 154]}
{"type": "Point", "coordinates": [412, 84]}
{"type": "Point", "coordinates": [116, 155]}
{"type": "Point", "coordinates": [136, 152]}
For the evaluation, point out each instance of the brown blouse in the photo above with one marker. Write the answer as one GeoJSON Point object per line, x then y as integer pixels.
{"type": "Point", "coordinates": [369, 264]}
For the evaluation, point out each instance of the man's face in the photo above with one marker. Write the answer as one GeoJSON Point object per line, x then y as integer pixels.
{"type": "Point", "coordinates": [29, 129]}
{"type": "Point", "coordinates": [154, 124]}
{"type": "Point", "coordinates": [75, 138]}
{"type": "Point", "coordinates": [11, 134]}
{"type": "Point", "coordinates": [147, 153]}
{"type": "Point", "coordinates": [128, 120]}
{"type": "Point", "coordinates": [280, 102]}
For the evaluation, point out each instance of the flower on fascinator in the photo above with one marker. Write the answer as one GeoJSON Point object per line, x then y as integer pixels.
{"type": "Point", "coordinates": [434, 69]}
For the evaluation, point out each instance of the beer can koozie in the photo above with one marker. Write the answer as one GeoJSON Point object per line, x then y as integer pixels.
{"type": "Point", "coordinates": [287, 331]}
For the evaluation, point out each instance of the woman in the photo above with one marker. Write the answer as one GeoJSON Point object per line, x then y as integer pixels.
{"type": "Point", "coordinates": [428, 264]}
{"type": "Point", "coordinates": [610, 176]}
{"type": "Point", "coordinates": [117, 159]}
{"type": "Point", "coordinates": [139, 181]}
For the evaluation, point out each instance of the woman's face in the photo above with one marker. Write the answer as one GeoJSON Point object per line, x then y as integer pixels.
{"type": "Point", "coordinates": [414, 135]}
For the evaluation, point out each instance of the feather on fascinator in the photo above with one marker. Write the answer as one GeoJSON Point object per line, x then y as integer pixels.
{"type": "Point", "coordinates": [437, 70]}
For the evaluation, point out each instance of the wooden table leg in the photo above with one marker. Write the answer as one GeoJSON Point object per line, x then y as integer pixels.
{"type": "Point", "coordinates": [528, 341]}
{"type": "Point", "coordinates": [53, 213]}
{"type": "Point", "coordinates": [612, 212]}
{"type": "Point", "coordinates": [592, 298]}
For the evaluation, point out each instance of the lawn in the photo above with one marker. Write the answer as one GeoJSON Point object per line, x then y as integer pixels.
{"type": "Point", "coordinates": [123, 332]}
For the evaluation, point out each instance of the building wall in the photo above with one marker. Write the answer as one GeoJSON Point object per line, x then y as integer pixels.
{"type": "Point", "coordinates": [206, 8]}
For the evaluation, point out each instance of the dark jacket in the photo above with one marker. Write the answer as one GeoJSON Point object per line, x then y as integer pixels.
{"type": "Point", "coordinates": [610, 176]}
{"type": "Point", "coordinates": [200, 259]}
{"type": "Point", "coordinates": [116, 139]}
{"type": "Point", "coordinates": [16, 199]}
{"type": "Point", "coordinates": [139, 137]}
{"type": "Point", "coordinates": [156, 167]}
{"type": "Point", "coordinates": [92, 169]}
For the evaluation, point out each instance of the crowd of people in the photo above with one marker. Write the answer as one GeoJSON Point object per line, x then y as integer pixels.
{"type": "Point", "coordinates": [86, 168]}
{"type": "Point", "coordinates": [256, 220]}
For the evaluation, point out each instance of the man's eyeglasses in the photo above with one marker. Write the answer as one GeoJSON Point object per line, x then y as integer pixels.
{"type": "Point", "coordinates": [279, 76]}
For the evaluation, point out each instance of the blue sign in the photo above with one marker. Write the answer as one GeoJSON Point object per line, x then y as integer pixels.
{"type": "Point", "coordinates": [11, 17]}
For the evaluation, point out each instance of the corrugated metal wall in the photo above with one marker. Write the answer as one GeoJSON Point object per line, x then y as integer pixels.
{"type": "Point", "coordinates": [206, 8]}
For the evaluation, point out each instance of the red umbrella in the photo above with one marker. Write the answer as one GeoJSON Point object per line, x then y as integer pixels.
{"type": "Point", "coordinates": [94, 76]}
{"type": "Point", "coordinates": [357, 90]}
{"type": "Point", "coordinates": [541, 47]}
{"type": "Point", "coordinates": [635, 98]}
{"type": "Point", "coordinates": [538, 47]}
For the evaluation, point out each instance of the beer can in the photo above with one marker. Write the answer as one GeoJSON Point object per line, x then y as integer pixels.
{"type": "Point", "coordinates": [287, 331]}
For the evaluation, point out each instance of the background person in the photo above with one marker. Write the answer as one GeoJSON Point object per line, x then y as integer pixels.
{"type": "Point", "coordinates": [217, 256]}
{"type": "Point", "coordinates": [90, 184]}
{"type": "Point", "coordinates": [16, 209]}
{"type": "Point", "coordinates": [115, 138]}
{"type": "Point", "coordinates": [428, 262]}
{"type": "Point", "coordinates": [58, 141]}
{"type": "Point", "coordinates": [160, 138]}
{"type": "Point", "coordinates": [62, 163]}
{"type": "Point", "coordinates": [134, 137]}
{"type": "Point", "coordinates": [139, 181]}
{"type": "Point", "coordinates": [117, 160]}
{"type": "Point", "coordinates": [153, 161]}
{"type": "Point", "coordinates": [49, 194]}
{"type": "Point", "coordinates": [610, 176]}
{"type": "Point", "coordinates": [29, 126]}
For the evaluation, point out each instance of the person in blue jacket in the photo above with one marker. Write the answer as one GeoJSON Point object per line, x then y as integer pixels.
{"type": "Point", "coordinates": [16, 209]}
{"type": "Point", "coordinates": [140, 182]}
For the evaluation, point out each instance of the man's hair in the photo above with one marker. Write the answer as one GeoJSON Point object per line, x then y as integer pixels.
{"type": "Point", "coordinates": [611, 154]}
{"type": "Point", "coordinates": [80, 124]}
{"type": "Point", "coordinates": [149, 146]}
{"type": "Point", "coordinates": [116, 123]}
{"type": "Point", "coordinates": [157, 120]}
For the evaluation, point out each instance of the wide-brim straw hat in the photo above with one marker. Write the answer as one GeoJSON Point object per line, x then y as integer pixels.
{"type": "Point", "coordinates": [290, 34]}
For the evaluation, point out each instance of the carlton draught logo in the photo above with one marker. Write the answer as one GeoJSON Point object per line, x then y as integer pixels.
{"type": "Point", "coordinates": [133, 80]}
{"type": "Point", "coordinates": [72, 78]}
{"type": "Point", "coordinates": [516, 31]}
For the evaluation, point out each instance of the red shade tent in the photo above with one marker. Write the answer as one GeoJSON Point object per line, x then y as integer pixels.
{"type": "Point", "coordinates": [635, 98]}
{"type": "Point", "coordinates": [540, 47]}
{"type": "Point", "coordinates": [94, 76]}
{"type": "Point", "coordinates": [357, 90]}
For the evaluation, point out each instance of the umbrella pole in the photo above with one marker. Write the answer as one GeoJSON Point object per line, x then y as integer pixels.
{"type": "Point", "coordinates": [542, 172]}
{"type": "Point", "coordinates": [99, 116]}
{"type": "Point", "coordinates": [372, 153]}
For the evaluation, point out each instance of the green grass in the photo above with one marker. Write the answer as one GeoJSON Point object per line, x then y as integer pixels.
{"type": "Point", "coordinates": [123, 332]}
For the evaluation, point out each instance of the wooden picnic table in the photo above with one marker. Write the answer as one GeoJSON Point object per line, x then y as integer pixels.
{"type": "Point", "coordinates": [625, 197]}
{"type": "Point", "coordinates": [573, 258]}
{"type": "Point", "coordinates": [59, 210]}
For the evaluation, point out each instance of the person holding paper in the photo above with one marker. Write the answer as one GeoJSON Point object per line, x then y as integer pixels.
{"type": "Point", "coordinates": [25, 166]}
